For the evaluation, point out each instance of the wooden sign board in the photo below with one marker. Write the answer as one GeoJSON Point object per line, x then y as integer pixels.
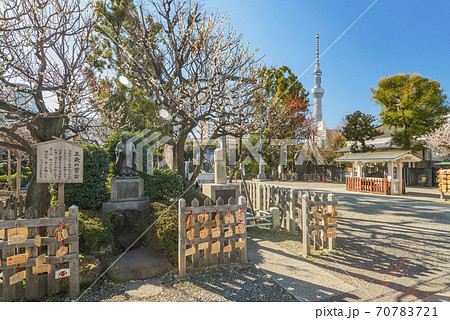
{"type": "Point", "coordinates": [38, 241]}
{"type": "Point", "coordinates": [190, 251]}
{"type": "Point", "coordinates": [62, 273]}
{"type": "Point", "coordinates": [190, 234]}
{"type": "Point", "coordinates": [2, 234]}
{"type": "Point", "coordinates": [19, 276]}
{"type": "Point", "coordinates": [215, 248]}
{"type": "Point", "coordinates": [240, 229]}
{"type": "Point", "coordinates": [204, 233]}
{"type": "Point", "coordinates": [17, 239]}
{"type": "Point", "coordinates": [239, 244]}
{"type": "Point", "coordinates": [62, 251]}
{"type": "Point", "coordinates": [18, 259]}
{"type": "Point", "coordinates": [43, 268]}
{"type": "Point", "coordinates": [227, 248]}
{"type": "Point", "coordinates": [59, 161]}
{"type": "Point", "coordinates": [18, 231]}
{"type": "Point", "coordinates": [41, 259]}
{"type": "Point", "coordinates": [203, 246]}
{"type": "Point", "coordinates": [215, 233]}
{"type": "Point", "coordinates": [228, 233]}
{"type": "Point", "coordinates": [229, 219]}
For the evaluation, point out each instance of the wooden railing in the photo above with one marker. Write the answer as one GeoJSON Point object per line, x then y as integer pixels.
{"type": "Point", "coordinates": [372, 185]}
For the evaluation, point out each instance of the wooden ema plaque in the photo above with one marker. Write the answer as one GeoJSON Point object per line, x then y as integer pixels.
{"type": "Point", "coordinates": [19, 276]}
{"type": "Point", "coordinates": [2, 234]}
{"type": "Point", "coordinates": [38, 241]}
{"type": "Point", "coordinates": [190, 251]}
{"type": "Point", "coordinates": [215, 248]}
{"type": "Point", "coordinates": [240, 229]}
{"type": "Point", "coordinates": [62, 251]}
{"type": "Point", "coordinates": [239, 244]}
{"type": "Point", "coordinates": [332, 220]}
{"type": "Point", "coordinates": [229, 218]}
{"type": "Point", "coordinates": [228, 233]}
{"type": "Point", "coordinates": [204, 233]}
{"type": "Point", "coordinates": [41, 259]}
{"type": "Point", "coordinates": [18, 231]}
{"type": "Point", "coordinates": [217, 220]}
{"type": "Point", "coordinates": [227, 248]}
{"type": "Point", "coordinates": [240, 217]}
{"type": "Point", "coordinates": [203, 246]}
{"type": "Point", "coordinates": [17, 239]}
{"type": "Point", "coordinates": [190, 234]}
{"type": "Point", "coordinates": [62, 273]}
{"type": "Point", "coordinates": [43, 268]}
{"type": "Point", "coordinates": [17, 259]}
{"type": "Point", "coordinates": [331, 232]}
{"type": "Point", "coordinates": [215, 233]}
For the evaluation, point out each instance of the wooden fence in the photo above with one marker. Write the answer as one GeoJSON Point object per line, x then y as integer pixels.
{"type": "Point", "coordinates": [371, 185]}
{"type": "Point", "coordinates": [297, 212]}
{"type": "Point", "coordinates": [32, 246]}
{"type": "Point", "coordinates": [207, 228]}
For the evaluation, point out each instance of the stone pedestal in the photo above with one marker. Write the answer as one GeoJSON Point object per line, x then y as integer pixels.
{"type": "Point", "coordinates": [127, 193]}
{"type": "Point", "coordinates": [224, 191]}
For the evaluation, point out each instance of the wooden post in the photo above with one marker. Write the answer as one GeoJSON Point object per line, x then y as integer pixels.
{"type": "Point", "coordinates": [74, 282]}
{"type": "Point", "coordinates": [243, 250]}
{"type": "Point", "coordinates": [31, 279]}
{"type": "Point", "coordinates": [18, 173]}
{"type": "Point", "coordinates": [305, 225]}
{"type": "Point", "coordinates": [195, 256]}
{"type": "Point", "coordinates": [52, 283]}
{"type": "Point", "coordinates": [316, 223]}
{"type": "Point", "coordinates": [220, 255]}
{"type": "Point", "coordinates": [275, 213]}
{"type": "Point", "coordinates": [292, 227]}
{"type": "Point", "coordinates": [9, 170]}
{"type": "Point", "coordinates": [181, 238]}
{"type": "Point", "coordinates": [208, 256]}
{"type": "Point", "coordinates": [332, 241]}
{"type": "Point", "coordinates": [298, 205]}
{"type": "Point", "coordinates": [233, 250]}
{"type": "Point", "coordinates": [9, 292]}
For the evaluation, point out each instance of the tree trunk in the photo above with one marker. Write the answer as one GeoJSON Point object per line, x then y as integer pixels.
{"type": "Point", "coordinates": [179, 154]}
{"type": "Point", "coordinates": [38, 195]}
{"type": "Point", "coordinates": [199, 167]}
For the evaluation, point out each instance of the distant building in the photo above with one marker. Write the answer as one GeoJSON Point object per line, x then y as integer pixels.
{"type": "Point", "coordinates": [415, 173]}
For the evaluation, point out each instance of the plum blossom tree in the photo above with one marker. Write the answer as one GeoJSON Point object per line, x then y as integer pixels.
{"type": "Point", "coordinates": [43, 47]}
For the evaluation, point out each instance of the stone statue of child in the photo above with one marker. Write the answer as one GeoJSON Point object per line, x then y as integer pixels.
{"type": "Point", "coordinates": [126, 157]}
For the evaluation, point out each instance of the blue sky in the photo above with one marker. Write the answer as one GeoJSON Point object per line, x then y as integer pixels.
{"type": "Point", "coordinates": [394, 36]}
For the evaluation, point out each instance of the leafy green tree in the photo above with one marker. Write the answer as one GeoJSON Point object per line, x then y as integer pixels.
{"type": "Point", "coordinates": [124, 104]}
{"type": "Point", "coordinates": [413, 105]}
{"type": "Point", "coordinates": [360, 127]}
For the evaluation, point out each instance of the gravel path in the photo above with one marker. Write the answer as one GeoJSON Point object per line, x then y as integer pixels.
{"type": "Point", "coordinates": [212, 284]}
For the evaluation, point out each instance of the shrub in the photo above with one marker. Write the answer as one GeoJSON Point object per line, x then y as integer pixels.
{"type": "Point", "coordinates": [90, 194]}
{"type": "Point", "coordinates": [191, 194]}
{"type": "Point", "coordinates": [162, 185]}
{"type": "Point", "coordinates": [25, 178]}
{"type": "Point", "coordinates": [164, 234]}
{"type": "Point", "coordinates": [95, 234]}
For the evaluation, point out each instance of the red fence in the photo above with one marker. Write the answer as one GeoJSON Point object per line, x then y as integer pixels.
{"type": "Point", "coordinates": [371, 185]}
